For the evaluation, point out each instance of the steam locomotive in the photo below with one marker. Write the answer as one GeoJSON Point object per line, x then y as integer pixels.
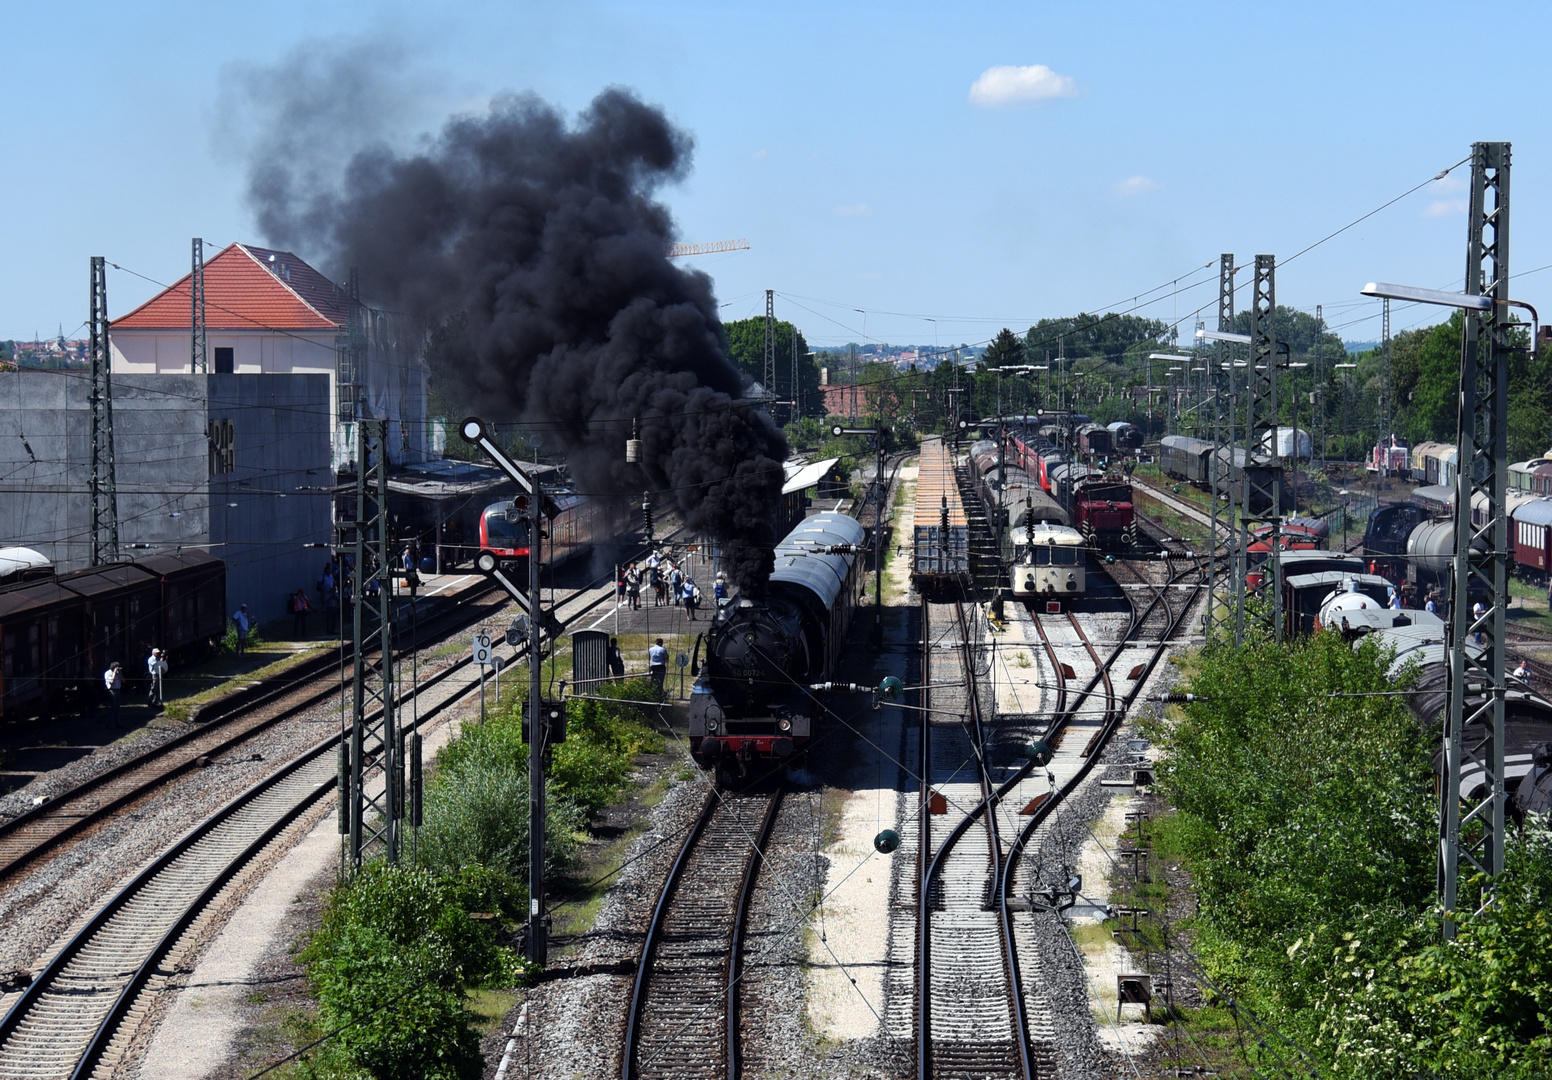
{"type": "Point", "coordinates": [753, 697]}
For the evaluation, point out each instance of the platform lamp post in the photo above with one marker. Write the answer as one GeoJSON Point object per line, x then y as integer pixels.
{"type": "Point", "coordinates": [877, 435]}
{"type": "Point", "coordinates": [1482, 434]}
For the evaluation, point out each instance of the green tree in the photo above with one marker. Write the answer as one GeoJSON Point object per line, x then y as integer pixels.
{"type": "Point", "coordinates": [1006, 350]}
{"type": "Point", "coordinates": [746, 347]}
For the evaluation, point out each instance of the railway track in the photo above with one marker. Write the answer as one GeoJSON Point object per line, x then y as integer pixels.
{"type": "Point", "coordinates": [66, 1022]}
{"type": "Point", "coordinates": [45, 827]}
{"type": "Point", "coordinates": [983, 1009]}
{"type": "Point", "coordinates": [683, 1017]}
{"type": "Point", "coordinates": [69, 1021]}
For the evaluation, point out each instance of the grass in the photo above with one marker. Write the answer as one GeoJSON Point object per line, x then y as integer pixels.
{"type": "Point", "coordinates": [182, 704]}
{"type": "Point", "coordinates": [490, 1007]}
{"type": "Point", "coordinates": [1176, 523]}
{"type": "Point", "coordinates": [582, 894]}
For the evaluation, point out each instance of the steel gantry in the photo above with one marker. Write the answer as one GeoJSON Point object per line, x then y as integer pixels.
{"type": "Point", "coordinates": [104, 479]}
{"type": "Point", "coordinates": [1474, 729]}
{"type": "Point", "coordinates": [374, 734]}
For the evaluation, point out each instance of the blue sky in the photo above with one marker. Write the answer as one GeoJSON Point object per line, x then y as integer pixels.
{"type": "Point", "coordinates": [842, 141]}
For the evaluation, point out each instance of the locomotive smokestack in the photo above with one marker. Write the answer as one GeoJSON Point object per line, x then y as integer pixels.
{"type": "Point", "coordinates": [536, 250]}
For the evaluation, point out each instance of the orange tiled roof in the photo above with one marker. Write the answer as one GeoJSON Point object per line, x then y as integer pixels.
{"type": "Point", "coordinates": [249, 288]}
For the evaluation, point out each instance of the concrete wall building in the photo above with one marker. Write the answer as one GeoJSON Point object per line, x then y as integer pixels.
{"type": "Point", "coordinates": [268, 312]}
{"type": "Point", "coordinates": [238, 465]}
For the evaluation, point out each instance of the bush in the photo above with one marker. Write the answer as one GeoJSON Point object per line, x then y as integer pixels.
{"type": "Point", "coordinates": [476, 815]}
{"type": "Point", "coordinates": [229, 642]}
{"type": "Point", "coordinates": [1308, 823]}
{"type": "Point", "coordinates": [391, 963]}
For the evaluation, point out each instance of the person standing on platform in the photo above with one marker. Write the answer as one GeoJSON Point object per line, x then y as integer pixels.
{"type": "Point", "coordinates": [1432, 607]}
{"type": "Point", "coordinates": [616, 661]}
{"type": "Point", "coordinates": [299, 608]}
{"type": "Point", "coordinates": [243, 622]}
{"type": "Point", "coordinates": [657, 663]}
{"type": "Point", "coordinates": [689, 597]}
{"type": "Point", "coordinates": [633, 587]}
{"type": "Point", "coordinates": [113, 682]}
{"type": "Point", "coordinates": [156, 668]}
{"type": "Point", "coordinates": [719, 591]}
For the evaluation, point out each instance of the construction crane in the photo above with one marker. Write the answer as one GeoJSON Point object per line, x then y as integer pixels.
{"type": "Point", "coordinates": [676, 251]}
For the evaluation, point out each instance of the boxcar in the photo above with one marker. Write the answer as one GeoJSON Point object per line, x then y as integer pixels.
{"type": "Point", "coordinates": [43, 663]}
{"type": "Point", "coordinates": [1125, 436]}
{"type": "Point", "coordinates": [121, 614]}
{"type": "Point", "coordinates": [1094, 439]}
{"type": "Point", "coordinates": [192, 601]}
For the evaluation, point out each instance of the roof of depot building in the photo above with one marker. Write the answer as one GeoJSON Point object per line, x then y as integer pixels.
{"type": "Point", "coordinates": [249, 288]}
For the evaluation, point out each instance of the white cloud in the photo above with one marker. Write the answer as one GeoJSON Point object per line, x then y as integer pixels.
{"type": "Point", "coordinates": [1009, 85]}
{"type": "Point", "coordinates": [860, 210]}
{"type": "Point", "coordinates": [1136, 185]}
{"type": "Point", "coordinates": [1447, 208]}
{"type": "Point", "coordinates": [1450, 183]}
{"type": "Point", "coordinates": [757, 155]}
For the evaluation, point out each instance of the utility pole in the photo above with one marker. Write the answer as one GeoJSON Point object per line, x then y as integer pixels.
{"type": "Point", "coordinates": [104, 480]}
{"type": "Point", "coordinates": [373, 819]}
{"type": "Point", "coordinates": [1263, 486]}
{"type": "Point", "coordinates": [197, 350]}
{"type": "Point", "coordinates": [1476, 838]}
{"type": "Point", "coordinates": [770, 344]}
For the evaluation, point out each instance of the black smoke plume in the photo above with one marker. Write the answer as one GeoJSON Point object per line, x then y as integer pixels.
{"type": "Point", "coordinates": [539, 251]}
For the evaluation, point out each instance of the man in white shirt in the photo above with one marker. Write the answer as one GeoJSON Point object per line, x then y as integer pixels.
{"type": "Point", "coordinates": [657, 662]}
{"type": "Point", "coordinates": [156, 667]}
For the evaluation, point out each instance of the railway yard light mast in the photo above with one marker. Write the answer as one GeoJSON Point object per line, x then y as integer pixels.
{"type": "Point", "coordinates": [1479, 568]}
{"type": "Point", "coordinates": [1149, 389]}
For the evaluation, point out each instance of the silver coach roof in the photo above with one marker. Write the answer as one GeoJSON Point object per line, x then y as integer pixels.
{"type": "Point", "coordinates": [1538, 512]}
{"type": "Point", "coordinates": [798, 562]}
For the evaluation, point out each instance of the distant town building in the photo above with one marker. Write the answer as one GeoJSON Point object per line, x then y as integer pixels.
{"type": "Point", "coordinates": [268, 312]}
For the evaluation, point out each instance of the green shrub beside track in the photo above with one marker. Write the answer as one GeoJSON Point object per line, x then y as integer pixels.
{"type": "Point", "coordinates": [400, 948]}
{"type": "Point", "coordinates": [1307, 821]}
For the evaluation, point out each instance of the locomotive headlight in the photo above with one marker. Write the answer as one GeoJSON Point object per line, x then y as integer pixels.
{"type": "Point", "coordinates": [711, 725]}
{"type": "Point", "coordinates": [784, 724]}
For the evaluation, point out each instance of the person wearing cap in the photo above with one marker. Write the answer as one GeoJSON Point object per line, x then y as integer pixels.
{"type": "Point", "coordinates": [244, 622]}
{"type": "Point", "coordinates": [156, 667]}
{"type": "Point", "coordinates": [113, 682]}
{"type": "Point", "coordinates": [719, 590]}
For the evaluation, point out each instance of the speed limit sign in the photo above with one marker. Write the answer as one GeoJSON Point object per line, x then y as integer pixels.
{"type": "Point", "coordinates": [482, 648]}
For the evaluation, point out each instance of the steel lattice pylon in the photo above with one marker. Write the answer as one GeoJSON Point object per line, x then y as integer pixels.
{"type": "Point", "coordinates": [197, 343]}
{"type": "Point", "coordinates": [770, 344]}
{"type": "Point", "coordinates": [1263, 487]}
{"type": "Point", "coordinates": [104, 482]}
{"type": "Point", "coordinates": [374, 729]}
{"type": "Point", "coordinates": [1475, 838]}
